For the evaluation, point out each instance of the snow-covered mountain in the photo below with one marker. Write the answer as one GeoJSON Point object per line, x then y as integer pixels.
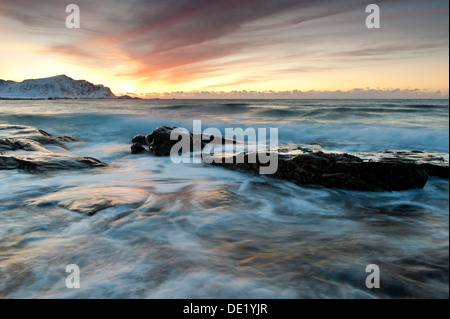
{"type": "Point", "coordinates": [60, 86]}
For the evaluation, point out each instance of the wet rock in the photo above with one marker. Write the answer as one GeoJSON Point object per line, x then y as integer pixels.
{"type": "Point", "coordinates": [27, 148]}
{"type": "Point", "coordinates": [89, 201]}
{"type": "Point", "coordinates": [137, 148]}
{"type": "Point", "coordinates": [47, 162]}
{"type": "Point", "coordinates": [160, 142]}
{"type": "Point", "coordinates": [67, 139]}
{"type": "Point", "coordinates": [435, 164]}
{"type": "Point", "coordinates": [161, 145]}
{"type": "Point", "coordinates": [10, 144]}
{"type": "Point", "coordinates": [90, 207]}
{"type": "Point", "coordinates": [436, 170]}
{"type": "Point", "coordinates": [341, 171]}
{"type": "Point", "coordinates": [149, 139]}
{"type": "Point", "coordinates": [374, 176]}
{"type": "Point", "coordinates": [140, 139]}
{"type": "Point", "coordinates": [206, 139]}
{"type": "Point", "coordinates": [303, 169]}
{"type": "Point", "coordinates": [30, 133]}
{"type": "Point", "coordinates": [387, 171]}
{"type": "Point", "coordinates": [349, 172]}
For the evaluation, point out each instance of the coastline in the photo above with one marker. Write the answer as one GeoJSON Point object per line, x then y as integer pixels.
{"type": "Point", "coordinates": [166, 230]}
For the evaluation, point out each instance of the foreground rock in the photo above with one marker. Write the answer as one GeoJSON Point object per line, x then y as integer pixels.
{"type": "Point", "coordinates": [309, 167]}
{"type": "Point", "coordinates": [42, 162]}
{"type": "Point", "coordinates": [28, 148]}
{"type": "Point", "coordinates": [23, 134]}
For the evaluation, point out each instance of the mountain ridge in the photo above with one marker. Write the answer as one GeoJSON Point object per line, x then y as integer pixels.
{"type": "Point", "coordinates": [55, 87]}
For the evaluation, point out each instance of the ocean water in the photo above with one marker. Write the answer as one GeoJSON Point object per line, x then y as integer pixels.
{"type": "Point", "coordinates": [197, 231]}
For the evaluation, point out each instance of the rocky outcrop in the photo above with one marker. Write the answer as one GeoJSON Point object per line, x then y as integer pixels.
{"type": "Point", "coordinates": [308, 167]}
{"type": "Point", "coordinates": [40, 163]}
{"type": "Point", "coordinates": [349, 172]}
{"type": "Point", "coordinates": [160, 144]}
{"type": "Point", "coordinates": [435, 164]}
{"type": "Point", "coordinates": [137, 148]}
{"type": "Point", "coordinates": [341, 171]}
{"type": "Point", "coordinates": [28, 148]}
{"type": "Point", "coordinates": [436, 170]}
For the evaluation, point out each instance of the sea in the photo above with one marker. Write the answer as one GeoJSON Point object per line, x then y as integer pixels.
{"type": "Point", "coordinates": [190, 230]}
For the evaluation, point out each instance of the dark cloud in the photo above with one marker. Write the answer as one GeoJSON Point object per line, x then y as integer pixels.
{"type": "Point", "coordinates": [157, 34]}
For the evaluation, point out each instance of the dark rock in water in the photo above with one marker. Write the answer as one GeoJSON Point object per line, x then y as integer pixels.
{"type": "Point", "coordinates": [37, 157]}
{"type": "Point", "coordinates": [29, 133]}
{"type": "Point", "coordinates": [395, 171]}
{"type": "Point", "coordinates": [149, 139]}
{"type": "Point", "coordinates": [44, 133]}
{"type": "Point", "coordinates": [10, 144]}
{"type": "Point", "coordinates": [67, 139]}
{"type": "Point", "coordinates": [304, 169]}
{"type": "Point", "coordinates": [374, 176]}
{"type": "Point", "coordinates": [206, 139]}
{"type": "Point", "coordinates": [47, 162]}
{"type": "Point", "coordinates": [161, 145]}
{"type": "Point", "coordinates": [343, 171]}
{"type": "Point", "coordinates": [435, 164]}
{"type": "Point", "coordinates": [137, 148]}
{"type": "Point", "coordinates": [436, 170]}
{"type": "Point", "coordinates": [160, 142]}
{"type": "Point", "coordinates": [139, 139]}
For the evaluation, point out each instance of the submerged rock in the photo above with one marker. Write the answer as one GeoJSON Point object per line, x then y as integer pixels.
{"type": "Point", "coordinates": [47, 162]}
{"type": "Point", "coordinates": [32, 149]}
{"type": "Point", "coordinates": [12, 144]}
{"type": "Point", "coordinates": [388, 171]}
{"type": "Point", "coordinates": [137, 148]}
{"type": "Point", "coordinates": [91, 200]}
{"type": "Point", "coordinates": [88, 207]}
{"type": "Point", "coordinates": [30, 133]}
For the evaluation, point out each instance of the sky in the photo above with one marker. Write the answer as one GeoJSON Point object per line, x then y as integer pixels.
{"type": "Point", "coordinates": [233, 48]}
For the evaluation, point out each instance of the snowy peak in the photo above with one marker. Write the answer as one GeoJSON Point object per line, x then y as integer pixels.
{"type": "Point", "coordinates": [60, 86]}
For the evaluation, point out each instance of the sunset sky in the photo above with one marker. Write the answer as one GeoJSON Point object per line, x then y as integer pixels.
{"type": "Point", "coordinates": [159, 46]}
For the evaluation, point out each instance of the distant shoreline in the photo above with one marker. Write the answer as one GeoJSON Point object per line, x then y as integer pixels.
{"type": "Point", "coordinates": [65, 98]}
{"type": "Point", "coordinates": [171, 99]}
